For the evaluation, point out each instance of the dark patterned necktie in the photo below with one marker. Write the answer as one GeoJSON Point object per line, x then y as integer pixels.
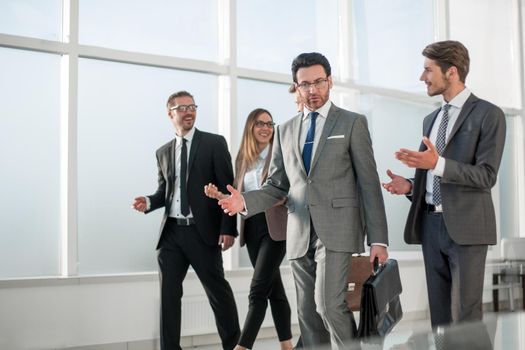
{"type": "Point", "coordinates": [309, 142]}
{"type": "Point", "coordinates": [184, 206]}
{"type": "Point", "coordinates": [440, 146]}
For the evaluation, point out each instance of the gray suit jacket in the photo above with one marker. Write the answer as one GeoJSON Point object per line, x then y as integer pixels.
{"type": "Point", "coordinates": [473, 155]}
{"type": "Point", "coordinates": [341, 196]}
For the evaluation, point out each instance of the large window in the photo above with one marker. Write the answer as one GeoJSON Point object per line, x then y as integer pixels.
{"type": "Point", "coordinates": [122, 120]}
{"type": "Point", "coordinates": [495, 65]}
{"type": "Point", "coordinates": [29, 163]}
{"type": "Point", "coordinates": [82, 115]}
{"type": "Point", "coordinates": [509, 185]}
{"type": "Point", "coordinates": [34, 18]}
{"type": "Point", "coordinates": [174, 28]}
{"type": "Point", "coordinates": [299, 26]}
{"type": "Point", "coordinates": [389, 38]}
{"type": "Point", "coordinates": [394, 124]}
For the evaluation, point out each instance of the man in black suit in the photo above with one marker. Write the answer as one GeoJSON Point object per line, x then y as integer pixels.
{"type": "Point", "coordinates": [193, 229]}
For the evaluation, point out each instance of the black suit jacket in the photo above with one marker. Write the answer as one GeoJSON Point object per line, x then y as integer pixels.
{"type": "Point", "coordinates": [209, 162]}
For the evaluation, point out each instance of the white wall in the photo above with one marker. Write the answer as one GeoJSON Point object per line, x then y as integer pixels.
{"type": "Point", "coordinates": [54, 314]}
{"type": "Point", "coordinates": [60, 313]}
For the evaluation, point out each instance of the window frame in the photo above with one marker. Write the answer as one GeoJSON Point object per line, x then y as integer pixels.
{"type": "Point", "coordinates": [228, 73]}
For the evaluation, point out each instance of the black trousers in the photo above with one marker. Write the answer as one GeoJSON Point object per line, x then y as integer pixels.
{"type": "Point", "coordinates": [266, 256]}
{"type": "Point", "coordinates": [182, 246]}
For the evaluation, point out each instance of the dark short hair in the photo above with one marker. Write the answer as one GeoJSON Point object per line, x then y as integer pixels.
{"type": "Point", "coordinates": [310, 59]}
{"type": "Point", "coordinates": [449, 53]}
{"type": "Point", "coordinates": [171, 99]}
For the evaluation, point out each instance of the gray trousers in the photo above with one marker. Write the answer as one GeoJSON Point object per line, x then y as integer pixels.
{"type": "Point", "coordinates": [320, 282]}
{"type": "Point", "coordinates": [454, 274]}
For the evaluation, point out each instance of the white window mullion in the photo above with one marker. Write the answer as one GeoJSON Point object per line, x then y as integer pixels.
{"type": "Point", "coordinates": [441, 20]}
{"type": "Point", "coordinates": [346, 41]}
{"type": "Point", "coordinates": [69, 99]}
{"type": "Point", "coordinates": [227, 94]}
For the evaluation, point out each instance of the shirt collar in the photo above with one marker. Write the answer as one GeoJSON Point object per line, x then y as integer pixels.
{"type": "Point", "coordinates": [323, 110]}
{"type": "Point", "coordinates": [188, 136]}
{"type": "Point", "coordinates": [459, 100]}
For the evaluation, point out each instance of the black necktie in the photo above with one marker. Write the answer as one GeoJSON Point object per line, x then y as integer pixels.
{"type": "Point", "coordinates": [309, 143]}
{"type": "Point", "coordinates": [440, 146]}
{"type": "Point", "coordinates": [184, 206]}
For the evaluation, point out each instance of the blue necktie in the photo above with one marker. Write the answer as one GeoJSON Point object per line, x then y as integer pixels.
{"type": "Point", "coordinates": [440, 146]}
{"type": "Point", "coordinates": [309, 142]}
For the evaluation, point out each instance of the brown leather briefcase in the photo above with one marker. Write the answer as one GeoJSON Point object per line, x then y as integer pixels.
{"type": "Point", "coordinates": [360, 270]}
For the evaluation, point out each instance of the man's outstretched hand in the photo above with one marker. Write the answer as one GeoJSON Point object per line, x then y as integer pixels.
{"type": "Point", "coordinates": [234, 203]}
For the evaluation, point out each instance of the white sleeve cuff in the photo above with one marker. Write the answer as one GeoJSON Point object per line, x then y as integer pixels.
{"type": "Point", "coordinates": [439, 170]}
{"type": "Point", "coordinates": [411, 187]}
{"type": "Point", "coordinates": [245, 211]}
{"type": "Point", "coordinates": [381, 244]}
{"type": "Point", "coordinates": [148, 203]}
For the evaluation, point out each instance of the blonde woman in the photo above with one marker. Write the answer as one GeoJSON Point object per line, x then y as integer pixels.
{"type": "Point", "coordinates": [264, 234]}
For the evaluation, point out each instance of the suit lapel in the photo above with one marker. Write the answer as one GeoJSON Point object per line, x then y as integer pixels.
{"type": "Point", "coordinates": [171, 161]}
{"type": "Point", "coordinates": [427, 128]}
{"type": "Point", "coordinates": [267, 164]}
{"type": "Point", "coordinates": [469, 105]}
{"type": "Point", "coordinates": [329, 124]}
{"type": "Point", "coordinates": [195, 142]}
{"type": "Point", "coordinates": [296, 139]}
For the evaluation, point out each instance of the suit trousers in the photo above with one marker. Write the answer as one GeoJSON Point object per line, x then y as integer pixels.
{"type": "Point", "coordinates": [266, 256]}
{"type": "Point", "coordinates": [320, 282]}
{"type": "Point", "coordinates": [180, 247]}
{"type": "Point", "coordinates": [454, 274]}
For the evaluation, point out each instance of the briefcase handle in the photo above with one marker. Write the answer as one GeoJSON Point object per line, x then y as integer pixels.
{"type": "Point", "coordinates": [377, 266]}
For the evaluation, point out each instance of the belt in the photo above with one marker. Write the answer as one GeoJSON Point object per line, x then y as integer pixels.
{"type": "Point", "coordinates": [182, 221]}
{"type": "Point", "coordinates": [431, 208]}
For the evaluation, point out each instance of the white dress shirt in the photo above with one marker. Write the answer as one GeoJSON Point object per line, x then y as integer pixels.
{"type": "Point", "coordinates": [456, 104]}
{"type": "Point", "coordinates": [175, 210]}
{"type": "Point", "coordinates": [253, 177]}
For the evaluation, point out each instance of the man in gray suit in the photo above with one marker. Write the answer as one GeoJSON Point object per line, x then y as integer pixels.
{"type": "Point", "coordinates": [322, 160]}
{"type": "Point", "coordinates": [452, 214]}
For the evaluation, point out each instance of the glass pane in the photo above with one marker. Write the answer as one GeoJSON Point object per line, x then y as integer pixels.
{"type": "Point", "coordinates": [394, 124]}
{"type": "Point", "coordinates": [492, 38]}
{"type": "Point", "coordinates": [29, 163]}
{"type": "Point", "coordinates": [256, 94]}
{"type": "Point", "coordinates": [121, 124]}
{"type": "Point", "coordinates": [176, 28]}
{"type": "Point", "coordinates": [300, 25]}
{"type": "Point", "coordinates": [389, 38]}
{"type": "Point", "coordinates": [508, 181]}
{"type": "Point", "coordinates": [34, 18]}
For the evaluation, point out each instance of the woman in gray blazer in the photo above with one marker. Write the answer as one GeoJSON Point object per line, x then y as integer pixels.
{"type": "Point", "coordinates": [264, 234]}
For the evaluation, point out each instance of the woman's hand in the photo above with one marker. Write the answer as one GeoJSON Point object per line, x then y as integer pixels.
{"type": "Point", "coordinates": [210, 190]}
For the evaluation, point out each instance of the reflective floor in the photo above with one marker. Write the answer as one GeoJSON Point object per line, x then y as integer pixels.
{"type": "Point", "coordinates": [498, 331]}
